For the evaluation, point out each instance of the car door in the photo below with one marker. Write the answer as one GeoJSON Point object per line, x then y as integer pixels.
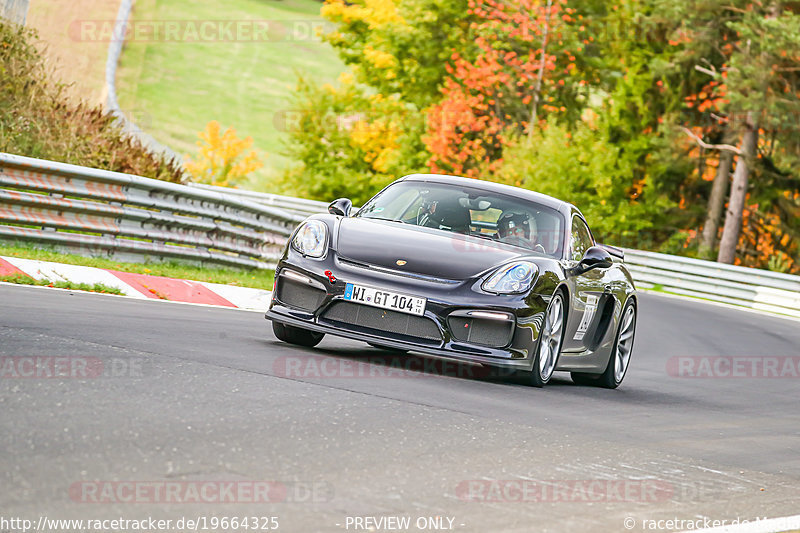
{"type": "Point", "coordinates": [587, 290]}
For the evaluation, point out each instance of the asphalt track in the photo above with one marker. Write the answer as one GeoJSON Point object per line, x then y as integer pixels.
{"type": "Point", "coordinates": [212, 399]}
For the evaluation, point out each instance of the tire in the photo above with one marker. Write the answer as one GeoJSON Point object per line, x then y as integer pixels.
{"type": "Point", "coordinates": [581, 378]}
{"type": "Point", "coordinates": [387, 348]}
{"type": "Point", "coordinates": [548, 347]}
{"type": "Point", "coordinates": [620, 358]}
{"type": "Point", "coordinates": [298, 336]}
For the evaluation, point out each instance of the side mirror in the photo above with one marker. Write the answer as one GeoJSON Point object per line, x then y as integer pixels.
{"type": "Point", "coordinates": [595, 257]}
{"type": "Point", "coordinates": [340, 207]}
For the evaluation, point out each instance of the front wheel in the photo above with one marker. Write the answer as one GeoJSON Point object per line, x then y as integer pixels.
{"type": "Point", "coordinates": [548, 348]}
{"type": "Point", "coordinates": [298, 336]}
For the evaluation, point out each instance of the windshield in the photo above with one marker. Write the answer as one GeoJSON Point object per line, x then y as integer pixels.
{"type": "Point", "coordinates": [469, 211]}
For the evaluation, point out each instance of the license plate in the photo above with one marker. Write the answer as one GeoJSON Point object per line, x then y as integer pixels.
{"type": "Point", "coordinates": [404, 303]}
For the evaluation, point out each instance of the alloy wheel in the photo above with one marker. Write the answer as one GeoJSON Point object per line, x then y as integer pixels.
{"type": "Point", "coordinates": [550, 345]}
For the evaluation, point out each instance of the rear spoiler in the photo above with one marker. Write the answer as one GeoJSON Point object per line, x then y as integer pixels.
{"type": "Point", "coordinates": [613, 250]}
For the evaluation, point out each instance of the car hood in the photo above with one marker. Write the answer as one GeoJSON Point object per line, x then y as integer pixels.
{"type": "Point", "coordinates": [426, 251]}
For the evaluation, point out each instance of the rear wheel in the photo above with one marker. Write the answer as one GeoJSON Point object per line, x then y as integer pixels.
{"type": "Point", "coordinates": [298, 336]}
{"type": "Point", "coordinates": [548, 348]}
{"type": "Point", "coordinates": [620, 356]}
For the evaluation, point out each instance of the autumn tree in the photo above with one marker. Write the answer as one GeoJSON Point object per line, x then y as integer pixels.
{"type": "Point", "coordinates": [223, 158]}
{"type": "Point", "coordinates": [750, 52]}
{"type": "Point", "coordinates": [399, 48]}
{"type": "Point", "coordinates": [348, 142]}
{"type": "Point", "coordinates": [521, 69]}
{"type": "Point", "coordinates": [768, 49]}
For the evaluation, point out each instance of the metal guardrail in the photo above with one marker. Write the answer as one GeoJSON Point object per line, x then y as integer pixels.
{"type": "Point", "coordinates": [748, 287]}
{"type": "Point", "coordinates": [97, 211]}
{"type": "Point", "coordinates": [101, 212]}
{"type": "Point", "coordinates": [289, 203]}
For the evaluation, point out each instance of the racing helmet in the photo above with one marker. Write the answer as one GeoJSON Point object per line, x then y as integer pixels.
{"type": "Point", "coordinates": [509, 224]}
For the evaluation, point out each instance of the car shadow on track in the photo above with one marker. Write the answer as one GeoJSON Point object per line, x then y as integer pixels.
{"type": "Point", "coordinates": [368, 362]}
{"type": "Point", "coordinates": [329, 363]}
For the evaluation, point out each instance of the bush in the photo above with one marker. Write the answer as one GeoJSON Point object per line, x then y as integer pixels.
{"type": "Point", "coordinates": [603, 179]}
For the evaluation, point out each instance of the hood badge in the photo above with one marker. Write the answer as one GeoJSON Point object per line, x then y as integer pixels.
{"type": "Point", "coordinates": [401, 262]}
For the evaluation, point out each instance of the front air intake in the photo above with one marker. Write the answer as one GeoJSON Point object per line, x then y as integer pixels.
{"type": "Point", "coordinates": [481, 331]}
{"type": "Point", "coordinates": [299, 295]}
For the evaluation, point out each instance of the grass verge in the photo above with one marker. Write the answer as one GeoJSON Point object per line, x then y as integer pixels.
{"type": "Point", "coordinates": [175, 86]}
{"type": "Point", "coordinates": [21, 279]}
{"type": "Point", "coordinates": [78, 57]}
{"type": "Point", "coordinates": [258, 279]}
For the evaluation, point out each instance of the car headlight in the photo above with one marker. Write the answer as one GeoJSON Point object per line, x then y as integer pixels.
{"type": "Point", "coordinates": [512, 278]}
{"type": "Point", "coordinates": [311, 239]}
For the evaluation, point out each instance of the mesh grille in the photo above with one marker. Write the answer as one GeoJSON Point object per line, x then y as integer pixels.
{"type": "Point", "coordinates": [383, 321]}
{"type": "Point", "coordinates": [299, 295]}
{"type": "Point", "coordinates": [496, 333]}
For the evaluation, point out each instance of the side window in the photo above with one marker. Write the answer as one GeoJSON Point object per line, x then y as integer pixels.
{"type": "Point", "coordinates": [581, 239]}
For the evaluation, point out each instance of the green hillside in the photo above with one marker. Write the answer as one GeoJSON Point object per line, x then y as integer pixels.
{"type": "Point", "coordinates": [174, 87]}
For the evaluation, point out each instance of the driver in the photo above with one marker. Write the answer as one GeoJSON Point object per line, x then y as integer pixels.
{"type": "Point", "coordinates": [518, 229]}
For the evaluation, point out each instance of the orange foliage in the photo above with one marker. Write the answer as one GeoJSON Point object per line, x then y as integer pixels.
{"type": "Point", "coordinates": [485, 98]}
{"type": "Point", "coordinates": [712, 97]}
{"type": "Point", "coordinates": [764, 242]}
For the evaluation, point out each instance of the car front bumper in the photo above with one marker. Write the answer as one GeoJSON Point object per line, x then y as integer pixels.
{"type": "Point", "coordinates": [450, 305]}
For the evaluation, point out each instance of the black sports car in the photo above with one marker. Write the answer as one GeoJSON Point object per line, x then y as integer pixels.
{"type": "Point", "coordinates": [464, 269]}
